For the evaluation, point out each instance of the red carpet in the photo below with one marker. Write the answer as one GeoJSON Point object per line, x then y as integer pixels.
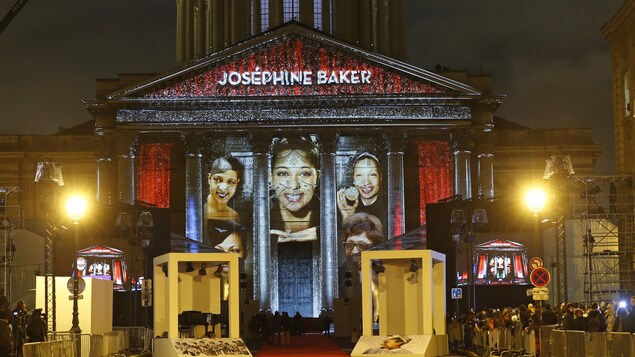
{"type": "Point", "coordinates": [308, 345]}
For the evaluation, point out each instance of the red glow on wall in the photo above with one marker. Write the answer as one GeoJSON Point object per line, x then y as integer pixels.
{"type": "Point", "coordinates": [294, 55]}
{"type": "Point", "coordinates": [153, 175]}
{"type": "Point", "coordinates": [435, 173]}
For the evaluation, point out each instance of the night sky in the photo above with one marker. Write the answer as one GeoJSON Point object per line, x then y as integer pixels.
{"type": "Point", "coordinates": [548, 57]}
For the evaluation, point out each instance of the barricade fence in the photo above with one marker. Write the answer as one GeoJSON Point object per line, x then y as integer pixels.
{"type": "Point", "coordinates": [115, 343]}
{"type": "Point", "coordinates": [550, 342]}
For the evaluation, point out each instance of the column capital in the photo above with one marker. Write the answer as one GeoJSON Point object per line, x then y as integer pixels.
{"type": "Point", "coordinates": [126, 145]}
{"type": "Point", "coordinates": [106, 149]}
{"type": "Point", "coordinates": [260, 142]}
{"type": "Point", "coordinates": [462, 140]}
{"type": "Point", "coordinates": [192, 143]}
{"type": "Point", "coordinates": [328, 141]}
{"type": "Point", "coordinates": [394, 141]}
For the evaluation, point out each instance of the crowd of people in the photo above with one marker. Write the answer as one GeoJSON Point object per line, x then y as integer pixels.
{"type": "Point", "coordinates": [18, 326]}
{"type": "Point", "coordinates": [595, 317]}
{"type": "Point", "coordinates": [276, 328]}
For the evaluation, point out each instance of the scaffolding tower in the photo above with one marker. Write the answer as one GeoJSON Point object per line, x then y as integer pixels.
{"type": "Point", "coordinates": [11, 219]}
{"type": "Point", "coordinates": [605, 207]}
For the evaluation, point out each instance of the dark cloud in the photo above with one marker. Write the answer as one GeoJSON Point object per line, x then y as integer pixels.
{"type": "Point", "coordinates": [548, 57]}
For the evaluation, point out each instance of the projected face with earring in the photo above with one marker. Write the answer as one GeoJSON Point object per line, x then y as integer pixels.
{"type": "Point", "coordinates": [222, 221]}
{"type": "Point", "coordinates": [294, 180]}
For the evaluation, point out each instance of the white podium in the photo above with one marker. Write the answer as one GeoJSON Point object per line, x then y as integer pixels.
{"type": "Point", "coordinates": [95, 306]}
{"type": "Point", "coordinates": [409, 286]}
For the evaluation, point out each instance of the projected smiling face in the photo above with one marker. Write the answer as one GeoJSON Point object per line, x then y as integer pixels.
{"type": "Point", "coordinates": [294, 179]}
{"type": "Point", "coordinates": [223, 185]}
{"type": "Point", "coordinates": [366, 179]}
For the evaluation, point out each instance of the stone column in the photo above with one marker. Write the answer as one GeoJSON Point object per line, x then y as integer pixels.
{"type": "Point", "coordinates": [265, 267]}
{"type": "Point", "coordinates": [394, 143]}
{"type": "Point", "coordinates": [328, 218]}
{"type": "Point", "coordinates": [486, 175]}
{"type": "Point", "coordinates": [180, 31]}
{"type": "Point", "coordinates": [126, 145]}
{"type": "Point", "coordinates": [105, 170]}
{"type": "Point", "coordinates": [462, 167]}
{"type": "Point", "coordinates": [193, 187]}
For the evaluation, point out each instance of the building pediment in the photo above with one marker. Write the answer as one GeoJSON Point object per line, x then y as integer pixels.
{"type": "Point", "coordinates": [293, 61]}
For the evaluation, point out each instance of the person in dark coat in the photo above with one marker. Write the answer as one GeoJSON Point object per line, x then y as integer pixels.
{"type": "Point", "coordinates": [549, 316]}
{"type": "Point", "coordinates": [36, 328]}
{"type": "Point", "coordinates": [596, 321]}
{"type": "Point", "coordinates": [6, 338]}
{"type": "Point", "coordinates": [622, 323]}
{"type": "Point", "coordinates": [580, 322]}
{"type": "Point", "coordinates": [567, 318]}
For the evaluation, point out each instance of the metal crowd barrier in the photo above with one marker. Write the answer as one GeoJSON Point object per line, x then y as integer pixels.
{"type": "Point", "coordinates": [61, 348]}
{"type": "Point", "coordinates": [136, 338]}
{"type": "Point", "coordinates": [498, 341]}
{"type": "Point", "coordinates": [546, 342]}
{"type": "Point", "coordinates": [552, 343]}
{"type": "Point", "coordinates": [62, 344]}
{"type": "Point", "coordinates": [67, 336]}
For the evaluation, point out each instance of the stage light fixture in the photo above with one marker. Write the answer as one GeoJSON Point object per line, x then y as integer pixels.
{"type": "Point", "coordinates": [413, 266]}
{"type": "Point", "coordinates": [219, 271]}
{"type": "Point", "coordinates": [202, 270]}
{"type": "Point", "coordinates": [189, 267]}
{"type": "Point", "coordinates": [378, 267]}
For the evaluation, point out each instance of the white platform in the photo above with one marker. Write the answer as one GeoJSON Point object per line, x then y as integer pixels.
{"type": "Point", "coordinates": [95, 307]}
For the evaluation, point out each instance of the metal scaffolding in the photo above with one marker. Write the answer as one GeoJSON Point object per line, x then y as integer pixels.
{"type": "Point", "coordinates": [605, 207]}
{"type": "Point", "coordinates": [11, 218]}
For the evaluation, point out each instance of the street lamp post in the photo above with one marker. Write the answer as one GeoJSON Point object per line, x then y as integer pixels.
{"type": "Point", "coordinates": [76, 207]}
{"type": "Point", "coordinates": [138, 236]}
{"type": "Point", "coordinates": [535, 199]}
{"type": "Point", "coordinates": [464, 231]}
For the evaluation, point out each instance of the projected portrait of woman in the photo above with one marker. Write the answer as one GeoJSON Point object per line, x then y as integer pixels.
{"type": "Point", "coordinates": [222, 222]}
{"type": "Point", "coordinates": [361, 231]}
{"type": "Point", "coordinates": [294, 180]}
{"type": "Point", "coordinates": [294, 219]}
{"type": "Point", "coordinates": [363, 195]}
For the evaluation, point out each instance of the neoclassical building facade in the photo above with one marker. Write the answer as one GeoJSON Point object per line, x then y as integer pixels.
{"type": "Point", "coordinates": [300, 111]}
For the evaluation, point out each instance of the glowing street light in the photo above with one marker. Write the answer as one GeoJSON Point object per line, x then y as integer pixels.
{"type": "Point", "coordinates": [76, 207]}
{"type": "Point", "coordinates": [535, 200]}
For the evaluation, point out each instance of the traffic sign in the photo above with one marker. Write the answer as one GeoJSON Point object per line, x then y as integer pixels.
{"type": "Point", "coordinates": [541, 293]}
{"type": "Point", "coordinates": [534, 263]}
{"type": "Point", "coordinates": [540, 277]}
{"type": "Point", "coordinates": [81, 285]}
{"type": "Point", "coordinates": [457, 293]}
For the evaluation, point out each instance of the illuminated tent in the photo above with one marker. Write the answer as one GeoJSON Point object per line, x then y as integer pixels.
{"type": "Point", "coordinates": [103, 262]}
{"type": "Point", "coordinates": [500, 262]}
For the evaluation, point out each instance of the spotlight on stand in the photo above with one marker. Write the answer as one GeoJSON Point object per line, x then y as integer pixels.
{"type": "Point", "coordinates": [202, 270]}
{"type": "Point", "coordinates": [219, 271]}
{"type": "Point", "coordinates": [189, 267]}
{"type": "Point", "coordinates": [348, 283]}
{"type": "Point", "coordinates": [378, 266]}
{"type": "Point", "coordinates": [413, 266]}
{"type": "Point", "coordinates": [243, 281]}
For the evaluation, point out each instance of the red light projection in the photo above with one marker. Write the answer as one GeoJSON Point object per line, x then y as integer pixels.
{"type": "Point", "coordinates": [434, 174]}
{"type": "Point", "coordinates": [294, 68]}
{"type": "Point", "coordinates": [153, 175]}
